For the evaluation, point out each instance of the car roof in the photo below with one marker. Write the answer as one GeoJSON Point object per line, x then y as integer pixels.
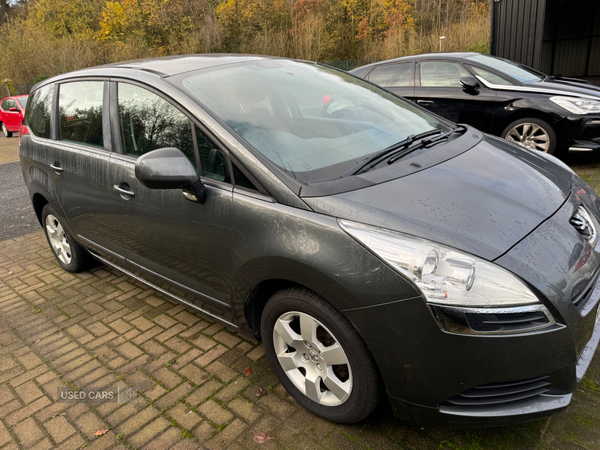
{"type": "Point", "coordinates": [176, 64]}
{"type": "Point", "coordinates": [437, 55]}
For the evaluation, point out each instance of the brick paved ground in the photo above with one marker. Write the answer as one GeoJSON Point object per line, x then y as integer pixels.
{"type": "Point", "coordinates": [101, 328]}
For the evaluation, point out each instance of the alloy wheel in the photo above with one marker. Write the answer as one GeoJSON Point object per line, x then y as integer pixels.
{"type": "Point", "coordinates": [312, 358]}
{"type": "Point", "coordinates": [58, 239]}
{"type": "Point", "coordinates": [529, 135]}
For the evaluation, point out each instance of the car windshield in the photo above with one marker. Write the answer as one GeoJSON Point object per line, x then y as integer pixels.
{"type": "Point", "coordinates": [313, 122]}
{"type": "Point", "coordinates": [22, 101]}
{"type": "Point", "coordinates": [517, 71]}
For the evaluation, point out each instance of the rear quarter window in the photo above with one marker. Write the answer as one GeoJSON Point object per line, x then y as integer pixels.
{"type": "Point", "coordinates": [40, 111]}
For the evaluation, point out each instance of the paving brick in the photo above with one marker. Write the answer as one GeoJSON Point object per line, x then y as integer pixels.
{"type": "Point", "coordinates": [203, 392]}
{"type": "Point", "coordinates": [98, 328]}
{"type": "Point", "coordinates": [142, 323]}
{"type": "Point", "coordinates": [149, 334]}
{"type": "Point", "coordinates": [203, 342]}
{"type": "Point", "coordinates": [225, 437]}
{"type": "Point", "coordinates": [138, 420]}
{"type": "Point", "coordinates": [59, 429]}
{"type": "Point", "coordinates": [152, 347]}
{"type": "Point", "coordinates": [167, 378]}
{"type": "Point", "coordinates": [187, 318]}
{"type": "Point", "coordinates": [215, 412]}
{"type": "Point", "coordinates": [44, 444]}
{"type": "Point", "coordinates": [28, 432]}
{"type": "Point", "coordinates": [10, 407]}
{"type": "Point", "coordinates": [222, 371]}
{"type": "Point", "coordinates": [167, 334]}
{"type": "Point", "coordinates": [177, 344]}
{"type": "Point", "coordinates": [213, 329]}
{"type": "Point", "coordinates": [165, 321]}
{"type": "Point", "coordinates": [256, 353]}
{"type": "Point", "coordinates": [151, 430]}
{"type": "Point", "coordinates": [174, 396]}
{"type": "Point", "coordinates": [122, 414]}
{"type": "Point", "coordinates": [227, 338]}
{"type": "Point", "coordinates": [120, 326]}
{"type": "Point", "coordinates": [166, 440]}
{"type": "Point", "coordinates": [195, 375]}
{"type": "Point", "coordinates": [210, 356]}
{"type": "Point", "coordinates": [4, 435]}
{"type": "Point", "coordinates": [26, 411]}
{"type": "Point", "coordinates": [28, 392]}
{"type": "Point", "coordinates": [30, 360]}
{"type": "Point", "coordinates": [233, 389]}
{"type": "Point", "coordinates": [129, 350]}
{"type": "Point", "coordinates": [242, 408]}
{"type": "Point", "coordinates": [6, 394]}
{"type": "Point", "coordinates": [184, 416]}
{"type": "Point", "coordinates": [155, 391]}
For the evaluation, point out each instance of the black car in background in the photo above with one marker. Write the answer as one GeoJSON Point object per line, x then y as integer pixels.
{"type": "Point", "coordinates": [497, 96]}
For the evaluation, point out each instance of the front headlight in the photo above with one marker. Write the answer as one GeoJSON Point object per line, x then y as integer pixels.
{"type": "Point", "coordinates": [444, 275]}
{"type": "Point", "coordinates": [577, 105]}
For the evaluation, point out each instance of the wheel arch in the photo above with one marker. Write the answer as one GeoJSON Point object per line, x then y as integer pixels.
{"type": "Point", "coordinates": [526, 113]}
{"type": "Point", "coordinates": [39, 201]}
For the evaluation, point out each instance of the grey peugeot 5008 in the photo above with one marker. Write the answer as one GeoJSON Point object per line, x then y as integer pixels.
{"type": "Point", "coordinates": [374, 248]}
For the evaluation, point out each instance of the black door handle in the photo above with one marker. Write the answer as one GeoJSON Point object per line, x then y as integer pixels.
{"type": "Point", "coordinates": [425, 102]}
{"type": "Point", "coordinates": [56, 167]}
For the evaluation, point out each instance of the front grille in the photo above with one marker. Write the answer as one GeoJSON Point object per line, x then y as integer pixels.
{"type": "Point", "coordinates": [501, 393]}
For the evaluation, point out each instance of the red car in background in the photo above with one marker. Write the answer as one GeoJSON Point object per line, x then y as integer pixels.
{"type": "Point", "coordinates": [12, 110]}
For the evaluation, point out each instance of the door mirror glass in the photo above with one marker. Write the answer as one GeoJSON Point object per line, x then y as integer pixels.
{"type": "Point", "coordinates": [168, 168]}
{"type": "Point", "coordinates": [469, 82]}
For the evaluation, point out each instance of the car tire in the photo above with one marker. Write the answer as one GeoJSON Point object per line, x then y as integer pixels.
{"type": "Point", "coordinates": [5, 131]}
{"type": "Point", "coordinates": [342, 393]}
{"type": "Point", "coordinates": [532, 133]}
{"type": "Point", "coordinates": [71, 256]}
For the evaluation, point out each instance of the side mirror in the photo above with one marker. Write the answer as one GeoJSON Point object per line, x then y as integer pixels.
{"type": "Point", "coordinates": [469, 83]}
{"type": "Point", "coordinates": [13, 109]}
{"type": "Point", "coordinates": [169, 168]}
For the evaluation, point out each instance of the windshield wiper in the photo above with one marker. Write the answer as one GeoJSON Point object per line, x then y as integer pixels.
{"type": "Point", "coordinates": [372, 160]}
{"type": "Point", "coordinates": [424, 143]}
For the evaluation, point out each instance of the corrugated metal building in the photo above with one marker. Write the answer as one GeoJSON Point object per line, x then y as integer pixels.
{"type": "Point", "coordinates": [558, 37]}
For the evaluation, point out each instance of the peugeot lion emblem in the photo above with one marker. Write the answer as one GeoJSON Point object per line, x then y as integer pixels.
{"type": "Point", "coordinates": [583, 224]}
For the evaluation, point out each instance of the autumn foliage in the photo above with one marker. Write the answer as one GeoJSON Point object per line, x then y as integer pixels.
{"type": "Point", "coordinates": [46, 37]}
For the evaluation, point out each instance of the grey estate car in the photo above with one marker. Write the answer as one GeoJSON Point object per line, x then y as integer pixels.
{"type": "Point", "coordinates": [377, 250]}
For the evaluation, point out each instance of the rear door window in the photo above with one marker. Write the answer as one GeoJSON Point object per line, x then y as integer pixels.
{"type": "Point", "coordinates": [392, 75]}
{"type": "Point", "coordinates": [40, 110]}
{"type": "Point", "coordinates": [80, 112]}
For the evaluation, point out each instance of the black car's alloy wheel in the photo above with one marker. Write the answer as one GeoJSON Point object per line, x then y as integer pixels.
{"type": "Point", "coordinates": [319, 357]}
{"type": "Point", "coordinates": [532, 133]}
{"type": "Point", "coordinates": [71, 256]}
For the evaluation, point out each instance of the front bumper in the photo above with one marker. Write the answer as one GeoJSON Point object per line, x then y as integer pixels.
{"type": "Point", "coordinates": [580, 133]}
{"type": "Point", "coordinates": [500, 415]}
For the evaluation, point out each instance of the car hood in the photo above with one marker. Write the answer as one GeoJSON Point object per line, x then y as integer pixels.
{"type": "Point", "coordinates": [569, 86]}
{"type": "Point", "coordinates": [483, 201]}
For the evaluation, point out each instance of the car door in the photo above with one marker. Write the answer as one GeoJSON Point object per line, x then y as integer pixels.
{"type": "Point", "coordinates": [13, 116]}
{"type": "Point", "coordinates": [175, 243]}
{"type": "Point", "coordinates": [396, 78]}
{"type": "Point", "coordinates": [440, 91]}
{"type": "Point", "coordinates": [79, 164]}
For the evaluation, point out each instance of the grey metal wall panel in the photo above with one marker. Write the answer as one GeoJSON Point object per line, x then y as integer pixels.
{"type": "Point", "coordinates": [517, 27]}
